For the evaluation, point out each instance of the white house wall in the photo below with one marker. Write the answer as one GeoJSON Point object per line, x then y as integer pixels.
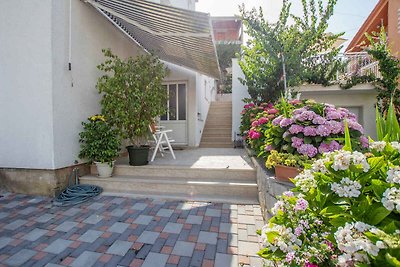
{"type": "Point", "coordinates": [239, 92]}
{"type": "Point", "coordinates": [26, 118]}
{"type": "Point", "coordinates": [74, 94]}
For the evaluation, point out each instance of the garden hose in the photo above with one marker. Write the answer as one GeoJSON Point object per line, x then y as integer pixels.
{"type": "Point", "coordinates": [75, 194]}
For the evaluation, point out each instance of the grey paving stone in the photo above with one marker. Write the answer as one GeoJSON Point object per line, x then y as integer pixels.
{"type": "Point", "coordinates": [28, 210]}
{"type": "Point", "coordinates": [35, 200]}
{"type": "Point", "coordinates": [93, 219]}
{"type": "Point", "coordinates": [86, 259]}
{"type": "Point", "coordinates": [96, 206]}
{"type": "Point", "coordinates": [119, 248]}
{"type": "Point", "coordinates": [184, 262]}
{"type": "Point", "coordinates": [66, 226]}
{"type": "Point", "coordinates": [12, 204]}
{"type": "Point", "coordinates": [90, 236]}
{"type": "Point", "coordinates": [143, 219]}
{"type": "Point", "coordinates": [139, 206]}
{"type": "Point", "coordinates": [226, 260]}
{"type": "Point", "coordinates": [53, 265]}
{"type": "Point", "coordinates": [194, 219]}
{"type": "Point", "coordinates": [118, 227]}
{"type": "Point", "coordinates": [228, 228]}
{"type": "Point", "coordinates": [20, 257]}
{"type": "Point", "coordinates": [4, 241]}
{"type": "Point", "coordinates": [44, 218]}
{"type": "Point", "coordinates": [222, 245]}
{"type": "Point", "coordinates": [155, 260]}
{"type": "Point", "coordinates": [248, 248]}
{"type": "Point", "coordinates": [117, 201]}
{"type": "Point", "coordinates": [173, 228]}
{"type": "Point", "coordinates": [183, 248]}
{"type": "Point", "coordinates": [184, 206]}
{"type": "Point", "coordinates": [165, 212]}
{"type": "Point", "coordinates": [15, 224]}
{"type": "Point", "coordinates": [207, 238]}
{"type": "Point", "coordinates": [118, 212]}
{"type": "Point", "coordinates": [35, 234]}
{"type": "Point", "coordinates": [148, 237]}
{"type": "Point", "coordinates": [213, 212]}
{"type": "Point", "coordinates": [210, 251]}
{"type": "Point", "coordinates": [71, 212]}
{"type": "Point", "coordinates": [197, 259]}
{"type": "Point", "coordinates": [246, 219]}
{"type": "Point", "coordinates": [3, 214]}
{"type": "Point", "coordinates": [58, 246]}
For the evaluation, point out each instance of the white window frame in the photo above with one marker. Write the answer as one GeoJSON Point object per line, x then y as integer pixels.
{"type": "Point", "coordinates": [176, 83]}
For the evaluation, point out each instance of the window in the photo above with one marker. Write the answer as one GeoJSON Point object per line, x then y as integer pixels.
{"type": "Point", "coordinates": [176, 103]}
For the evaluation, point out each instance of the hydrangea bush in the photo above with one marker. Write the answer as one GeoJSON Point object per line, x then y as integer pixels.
{"type": "Point", "coordinates": [343, 211]}
{"type": "Point", "coordinates": [313, 129]}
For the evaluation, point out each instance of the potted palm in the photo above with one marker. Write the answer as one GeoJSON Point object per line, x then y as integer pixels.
{"type": "Point", "coordinates": [99, 144]}
{"type": "Point", "coordinates": [132, 96]}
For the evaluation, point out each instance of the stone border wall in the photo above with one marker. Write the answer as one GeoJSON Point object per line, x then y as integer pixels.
{"type": "Point", "coordinates": [268, 187]}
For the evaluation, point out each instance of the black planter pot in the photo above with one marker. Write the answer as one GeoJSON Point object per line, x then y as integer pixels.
{"type": "Point", "coordinates": [138, 155]}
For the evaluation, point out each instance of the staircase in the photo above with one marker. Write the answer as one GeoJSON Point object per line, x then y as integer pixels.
{"type": "Point", "coordinates": [217, 132]}
{"type": "Point", "coordinates": [237, 186]}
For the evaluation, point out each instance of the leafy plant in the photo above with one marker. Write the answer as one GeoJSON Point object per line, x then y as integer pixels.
{"type": "Point", "coordinates": [132, 93]}
{"type": "Point", "coordinates": [286, 159]}
{"type": "Point", "coordinates": [387, 127]}
{"type": "Point", "coordinates": [99, 141]}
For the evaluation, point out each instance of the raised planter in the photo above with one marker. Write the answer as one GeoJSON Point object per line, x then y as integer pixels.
{"type": "Point", "coordinates": [283, 172]}
{"type": "Point", "coordinates": [104, 169]}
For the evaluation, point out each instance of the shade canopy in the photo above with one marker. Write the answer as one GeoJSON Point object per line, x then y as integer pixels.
{"type": "Point", "coordinates": [179, 36]}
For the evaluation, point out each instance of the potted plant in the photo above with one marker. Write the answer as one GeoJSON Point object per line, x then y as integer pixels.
{"type": "Point", "coordinates": [132, 96]}
{"type": "Point", "coordinates": [99, 144]}
{"type": "Point", "coordinates": [286, 165]}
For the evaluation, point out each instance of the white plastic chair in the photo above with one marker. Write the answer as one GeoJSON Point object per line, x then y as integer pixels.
{"type": "Point", "coordinates": [162, 141]}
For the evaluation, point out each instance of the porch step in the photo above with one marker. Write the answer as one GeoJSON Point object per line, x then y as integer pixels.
{"type": "Point", "coordinates": [216, 145]}
{"type": "Point", "coordinates": [167, 172]}
{"type": "Point", "coordinates": [216, 139]}
{"type": "Point", "coordinates": [225, 134]}
{"type": "Point", "coordinates": [216, 190]}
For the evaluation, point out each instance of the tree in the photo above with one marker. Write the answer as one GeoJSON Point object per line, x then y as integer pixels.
{"type": "Point", "coordinates": [294, 44]}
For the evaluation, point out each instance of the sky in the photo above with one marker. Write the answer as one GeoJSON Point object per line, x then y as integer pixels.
{"type": "Point", "coordinates": [348, 15]}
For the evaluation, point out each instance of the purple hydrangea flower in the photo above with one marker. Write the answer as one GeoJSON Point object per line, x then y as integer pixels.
{"type": "Point", "coordinates": [305, 116]}
{"type": "Point", "coordinates": [301, 204]}
{"type": "Point", "coordinates": [295, 129]}
{"type": "Point", "coordinates": [364, 141]}
{"type": "Point", "coordinates": [285, 122]}
{"type": "Point", "coordinates": [298, 231]}
{"type": "Point", "coordinates": [333, 115]}
{"type": "Point", "coordinates": [296, 142]}
{"type": "Point", "coordinates": [355, 126]}
{"type": "Point", "coordinates": [323, 130]}
{"type": "Point", "coordinates": [310, 131]}
{"type": "Point", "coordinates": [277, 120]}
{"type": "Point", "coordinates": [319, 120]}
{"type": "Point", "coordinates": [288, 194]}
{"type": "Point", "coordinates": [336, 127]}
{"type": "Point", "coordinates": [268, 148]}
{"type": "Point", "coordinates": [333, 146]}
{"type": "Point", "coordinates": [323, 148]}
{"type": "Point", "coordinates": [308, 149]}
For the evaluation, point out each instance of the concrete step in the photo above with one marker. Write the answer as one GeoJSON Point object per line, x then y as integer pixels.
{"type": "Point", "coordinates": [225, 134]}
{"type": "Point", "coordinates": [166, 172]}
{"type": "Point", "coordinates": [218, 123]}
{"type": "Point", "coordinates": [216, 139]}
{"type": "Point", "coordinates": [230, 191]}
{"type": "Point", "coordinates": [216, 145]}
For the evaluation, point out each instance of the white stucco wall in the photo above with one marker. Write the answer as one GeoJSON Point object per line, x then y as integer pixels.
{"type": "Point", "coordinates": [42, 103]}
{"type": "Point", "coordinates": [26, 119]}
{"type": "Point", "coordinates": [360, 98]}
{"type": "Point", "coordinates": [206, 93]}
{"type": "Point", "coordinates": [239, 92]}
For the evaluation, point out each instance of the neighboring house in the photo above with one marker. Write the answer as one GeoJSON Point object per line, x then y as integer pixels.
{"type": "Point", "coordinates": [49, 53]}
{"type": "Point", "coordinates": [386, 13]}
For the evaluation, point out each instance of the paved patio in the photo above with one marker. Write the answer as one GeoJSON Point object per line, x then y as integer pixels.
{"type": "Point", "coordinates": [117, 231]}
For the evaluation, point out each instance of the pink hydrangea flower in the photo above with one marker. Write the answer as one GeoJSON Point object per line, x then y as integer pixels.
{"type": "Point", "coordinates": [309, 131]}
{"type": "Point", "coordinates": [297, 142]}
{"type": "Point", "coordinates": [295, 129]}
{"type": "Point", "coordinates": [364, 141]}
{"type": "Point", "coordinates": [262, 120]}
{"type": "Point", "coordinates": [308, 149]}
{"type": "Point", "coordinates": [254, 124]}
{"type": "Point", "coordinates": [310, 265]}
{"type": "Point", "coordinates": [272, 111]}
{"type": "Point", "coordinates": [301, 205]}
{"type": "Point", "coordinates": [289, 257]}
{"type": "Point", "coordinates": [285, 122]}
{"type": "Point", "coordinates": [254, 134]}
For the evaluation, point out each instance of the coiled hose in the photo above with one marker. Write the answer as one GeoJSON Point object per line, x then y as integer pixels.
{"type": "Point", "coordinates": [75, 194]}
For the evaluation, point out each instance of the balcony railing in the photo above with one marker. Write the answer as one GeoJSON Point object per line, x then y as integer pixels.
{"type": "Point", "coordinates": [358, 64]}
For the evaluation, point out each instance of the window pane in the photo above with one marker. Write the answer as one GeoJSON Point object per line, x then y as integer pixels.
{"type": "Point", "coordinates": [172, 102]}
{"type": "Point", "coordinates": [164, 116]}
{"type": "Point", "coordinates": [182, 101]}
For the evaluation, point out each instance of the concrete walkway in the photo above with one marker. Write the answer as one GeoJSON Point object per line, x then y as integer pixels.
{"type": "Point", "coordinates": [216, 158]}
{"type": "Point", "coordinates": [117, 231]}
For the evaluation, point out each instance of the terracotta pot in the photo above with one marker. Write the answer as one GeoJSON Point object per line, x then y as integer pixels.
{"type": "Point", "coordinates": [285, 172]}
{"type": "Point", "coordinates": [104, 169]}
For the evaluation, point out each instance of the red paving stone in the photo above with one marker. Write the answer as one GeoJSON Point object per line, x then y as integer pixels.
{"type": "Point", "coordinates": [166, 250]}
{"type": "Point", "coordinates": [105, 258]}
{"type": "Point", "coordinates": [136, 263]}
{"type": "Point", "coordinates": [67, 261]}
{"type": "Point", "coordinates": [40, 255]}
{"type": "Point", "coordinates": [173, 259]}
{"type": "Point", "coordinates": [207, 263]}
{"type": "Point", "coordinates": [200, 246]}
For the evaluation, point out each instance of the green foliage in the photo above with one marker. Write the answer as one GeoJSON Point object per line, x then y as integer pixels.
{"type": "Point", "coordinates": [389, 67]}
{"type": "Point", "coordinates": [99, 142]}
{"type": "Point", "coordinates": [296, 44]}
{"type": "Point", "coordinates": [387, 127]}
{"type": "Point", "coordinates": [225, 54]}
{"type": "Point", "coordinates": [286, 159]}
{"type": "Point", "coordinates": [132, 93]}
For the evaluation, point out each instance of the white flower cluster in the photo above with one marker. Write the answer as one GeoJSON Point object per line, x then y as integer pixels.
{"type": "Point", "coordinates": [286, 240]}
{"type": "Point", "coordinates": [391, 199]}
{"type": "Point", "coordinates": [346, 188]}
{"type": "Point", "coordinates": [355, 245]}
{"type": "Point", "coordinates": [305, 181]}
{"type": "Point", "coordinates": [343, 159]}
{"type": "Point", "coordinates": [393, 175]}
{"type": "Point", "coordinates": [319, 165]}
{"type": "Point", "coordinates": [395, 145]}
{"type": "Point", "coordinates": [378, 145]}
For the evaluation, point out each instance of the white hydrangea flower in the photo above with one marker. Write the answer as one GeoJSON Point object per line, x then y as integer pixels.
{"type": "Point", "coordinates": [393, 175]}
{"type": "Point", "coordinates": [395, 145]}
{"type": "Point", "coordinates": [346, 188]}
{"type": "Point", "coordinates": [391, 199]}
{"type": "Point", "coordinates": [341, 160]}
{"type": "Point", "coordinates": [378, 145]}
{"type": "Point", "coordinates": [279, 205]}
{"type": "Point", "coordinates": [305, 181]}
{"type": "Point", "coordinates": [319, 165]}
{"type": "Point", "coordinates": [360, 159]}
{"type": "Point", "coordinates": [354, 244]}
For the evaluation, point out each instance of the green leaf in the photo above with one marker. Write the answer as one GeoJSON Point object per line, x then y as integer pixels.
{"type": "Point", "coordinates": [347, 137]}
{"type": "Point", "coordinates": [376, 214]}
{"type": "Point", "coordinates": [392, 260]}
{"type": "Point", "coordinates": [271, 236]}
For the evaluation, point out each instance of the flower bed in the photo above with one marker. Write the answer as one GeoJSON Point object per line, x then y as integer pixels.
{"type": "Point", "coordinates": [344, 211]}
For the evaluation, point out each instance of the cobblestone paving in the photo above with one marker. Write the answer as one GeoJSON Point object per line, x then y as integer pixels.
{"type": "Point", "coordinates": [117, 231]}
